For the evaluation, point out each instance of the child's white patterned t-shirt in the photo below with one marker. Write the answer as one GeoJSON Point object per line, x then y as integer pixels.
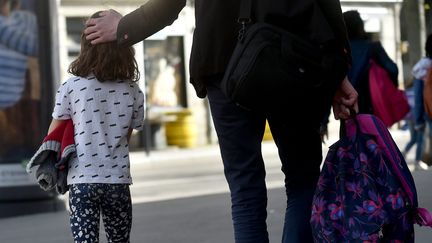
{"type": "Point", "coordinates": [102, 113]}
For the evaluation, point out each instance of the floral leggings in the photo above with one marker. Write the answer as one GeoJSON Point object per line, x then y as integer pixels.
{"type": "Point", "coordinates": [88, 201]}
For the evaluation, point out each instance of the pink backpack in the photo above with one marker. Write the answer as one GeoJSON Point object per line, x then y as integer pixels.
{"type": "Point", "coordinates": [389, 103]}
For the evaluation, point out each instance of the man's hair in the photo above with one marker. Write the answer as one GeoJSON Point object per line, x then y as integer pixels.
{"type": "Point", "coordinates": [107, 61]}
{"type": "Point", "coordinates": [428, 46]}
{"type": "Point", "coordinates": [354, 25]}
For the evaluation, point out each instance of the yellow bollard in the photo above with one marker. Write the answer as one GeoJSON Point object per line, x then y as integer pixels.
{"type": "Point", "coordinates": [182, 131]}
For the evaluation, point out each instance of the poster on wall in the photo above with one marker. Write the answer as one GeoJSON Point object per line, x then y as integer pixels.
{"type": "Point", "coordinates": [20, 89]}
{"type": "Point", "coordinates": [164, 72]}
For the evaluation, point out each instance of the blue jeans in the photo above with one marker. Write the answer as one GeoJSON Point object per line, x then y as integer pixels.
{"type": "Point", "coordinates": [421, 119]}
{"type": "Point", "coordinates": [419, 110]}
{"type": "Point", "coordinates": [416, 138]}
{"type": "Point", "coordinates": [240, 134]}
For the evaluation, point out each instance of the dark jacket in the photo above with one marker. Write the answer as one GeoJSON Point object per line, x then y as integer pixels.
{"type": "Point", "coordinates": [362, 51]}
{"type": "Point", "coordinates": [216, 29]}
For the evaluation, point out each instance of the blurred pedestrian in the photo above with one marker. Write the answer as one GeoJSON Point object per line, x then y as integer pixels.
{"type": "Point", "coordinates": [421, 119]}
{"type": "Point", "coordinates": [410, 124]}
{"type": "Point", "coordinates": [105, 104]}
{"type": "Point", "coordinates": [240, 131]}
{"type": "Point", "coordinates": [363, 50]}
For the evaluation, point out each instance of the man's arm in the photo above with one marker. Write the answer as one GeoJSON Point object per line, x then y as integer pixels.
{"type": "Point", "coordinates": [135, 26]}
{"type": "Point", "coordinates": [333, 13]}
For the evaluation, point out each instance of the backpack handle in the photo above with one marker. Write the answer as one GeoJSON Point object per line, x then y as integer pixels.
{"type": "Point", "coordinates": [423, 217]}
{"type": "Point", "coordinates": [353, 116]}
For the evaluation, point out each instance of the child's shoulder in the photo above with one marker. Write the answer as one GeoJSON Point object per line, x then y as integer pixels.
{"type": "Point", "coordinates": [66, 83]}
{"type": "Point", "coordinates": [134, 86]}
{"type": "Point", "coordinates": [71, 80]}
{"type": "Point", "coordinates": [73, 84]}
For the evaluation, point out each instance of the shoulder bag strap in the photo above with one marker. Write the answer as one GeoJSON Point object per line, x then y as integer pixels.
{"type": "Point", "coordinates": [244, 17]}
{"type": "Point", "coordinates": [245, 11]}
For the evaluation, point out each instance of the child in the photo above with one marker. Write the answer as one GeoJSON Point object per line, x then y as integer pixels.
{"type": "Point", "coordinates": [105, 105]}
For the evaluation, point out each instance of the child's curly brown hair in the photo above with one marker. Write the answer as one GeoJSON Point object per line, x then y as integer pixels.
{"type": "Point", "coordinates": [107, 61]}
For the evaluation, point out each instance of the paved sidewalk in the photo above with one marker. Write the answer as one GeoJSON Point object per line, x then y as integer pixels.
{"type": "Point", "coordinates": [201, 218]}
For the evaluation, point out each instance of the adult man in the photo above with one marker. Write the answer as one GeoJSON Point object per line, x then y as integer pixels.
{"type": "Point", "coordinates": [239, 131]}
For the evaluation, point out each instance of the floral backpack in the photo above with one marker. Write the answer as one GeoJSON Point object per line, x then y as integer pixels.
{"type": "Point", "coordinates": [365, 192]}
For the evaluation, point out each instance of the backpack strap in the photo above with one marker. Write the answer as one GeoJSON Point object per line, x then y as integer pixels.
{"type": "Point", "coordinates": [344, 129]}
{"type": "Point", "coordinates": [371, 125]}
{"type": "Point", "coordinates": [423, 217]}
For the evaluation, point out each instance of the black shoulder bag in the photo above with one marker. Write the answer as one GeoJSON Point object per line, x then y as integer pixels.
{"type": "Point", "coordinates": [272, 68]}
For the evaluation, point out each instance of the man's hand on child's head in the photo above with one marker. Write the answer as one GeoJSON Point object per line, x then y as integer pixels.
{"type": "Point", "coordinates": [104, 28]}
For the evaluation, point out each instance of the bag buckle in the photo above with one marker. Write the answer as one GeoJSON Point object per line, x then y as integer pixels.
{"type": "Point", "coordinates": [242, 31]}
